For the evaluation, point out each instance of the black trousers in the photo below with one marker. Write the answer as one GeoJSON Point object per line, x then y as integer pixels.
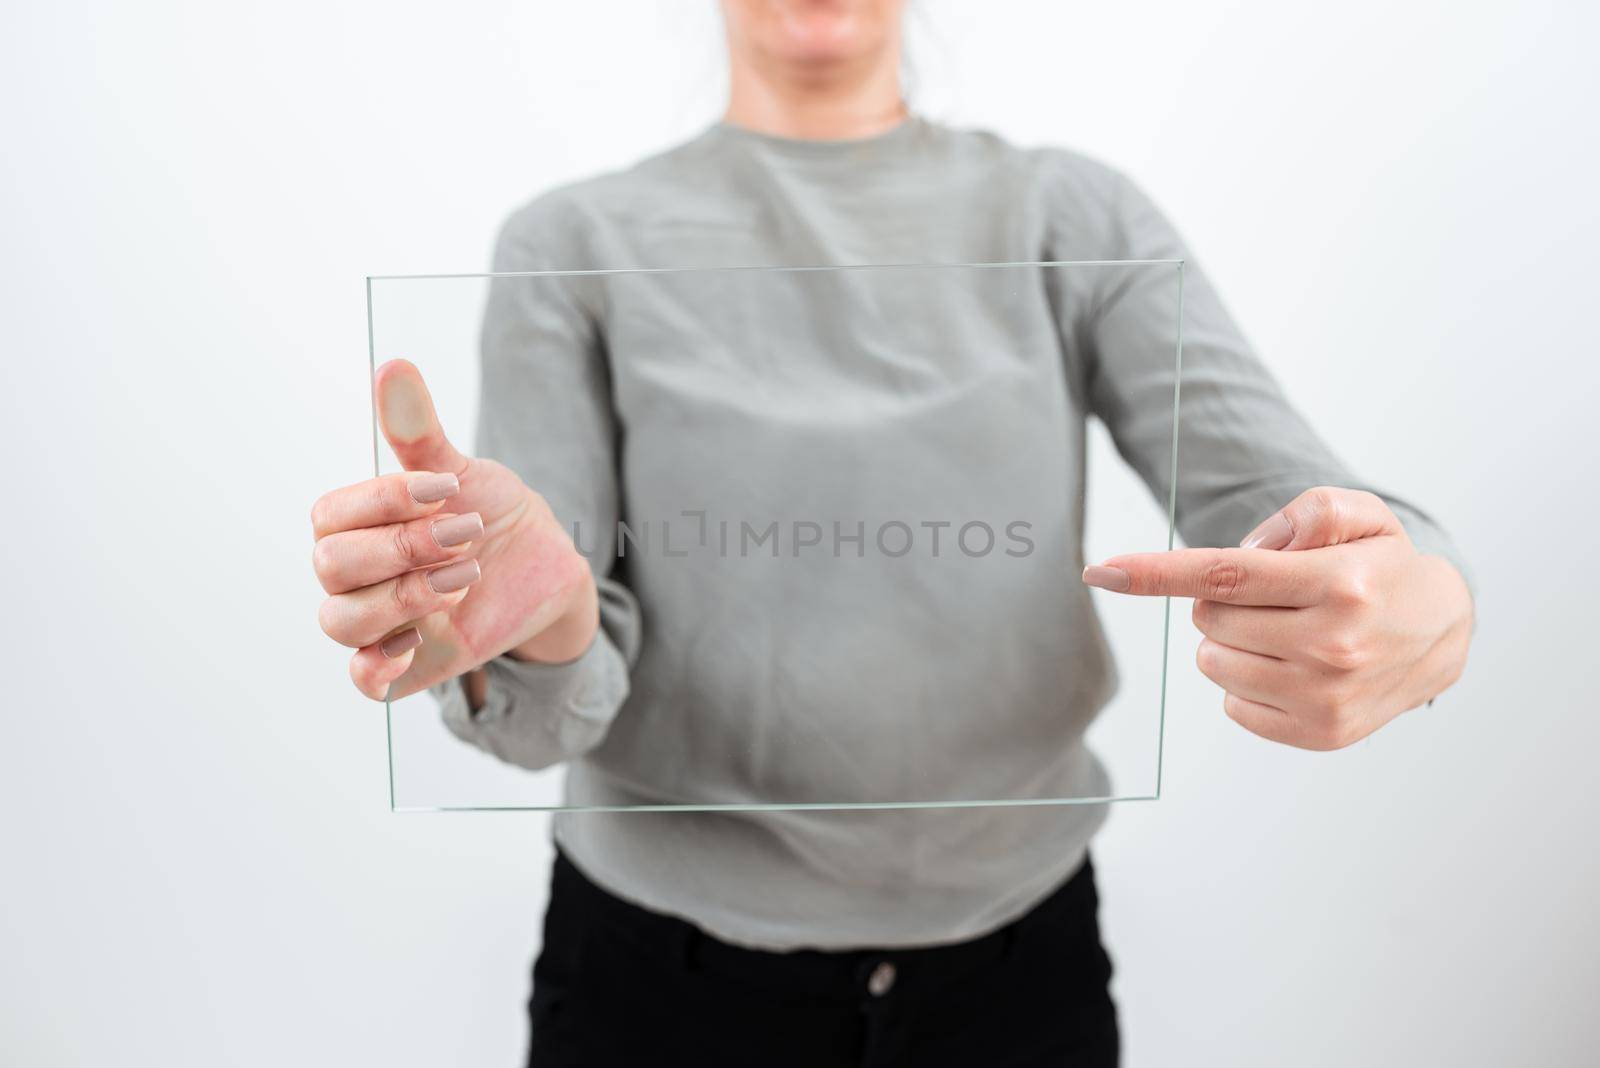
{"type": "Point", "coordinates": [618, 986]}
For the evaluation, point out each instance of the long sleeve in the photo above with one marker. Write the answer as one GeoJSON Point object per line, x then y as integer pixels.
{"type": "Point", "coordinates": [1243, 450]}
{"type": "Point", "coordinates": [545, 411]}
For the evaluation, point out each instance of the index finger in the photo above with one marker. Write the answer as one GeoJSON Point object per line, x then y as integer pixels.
{"type": "Point", "coordinates": [1233, 576]}
{"type": "Point", "coordinates": [386, 499]}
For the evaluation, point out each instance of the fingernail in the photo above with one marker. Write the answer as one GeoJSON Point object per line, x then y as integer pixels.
{"type": "Point", "coordinates": [455, 577]}
{"type": "Point", "coordinates": [428, 488]}
{"type": "Point", "coordinates": [1273, 533]}
{"type": "Point", "coordinates": [1108, 578]}
{"type": "Point", "coordinates": [457, 529]}
{"type": "Point", "coordinates": [399, 644]}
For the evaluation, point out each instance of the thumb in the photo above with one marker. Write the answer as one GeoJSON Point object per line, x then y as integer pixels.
{"type": "Point", "coordinates": [405, 411]}
{"type": "Point", "coordinates": [1324, 516]}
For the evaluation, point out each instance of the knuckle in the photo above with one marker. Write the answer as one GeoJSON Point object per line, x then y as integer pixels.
{"type": "Point", "coordinates": [1331, 511]}
{"type": "Point", "coordinates": [405, 546]}
{"type": "Point", "coordinates": [372, 500]}
{"type": "Point", "coordinates": [1319, 729]}
{"type": "Point", "coordinates": [1366, 498]}
{"type": "Point", "coordinates": [405, 594]}
{"type": "Point", "coordinates": [322, 561]}
{"type": "Point", "coordinates": [1323, 500]}
{"type": "Point", "coordinates": [1330, 722]}
{"type": "Point", "coordinates": [1317, 511]}
{"type": "Point", "coordinates": [1328, 501]}
{"type": "Point", "coordinates": [1202, 614]}
{"type": "Point", "coordinates": [1323, 496]}
{"type": "Point", "coordinates": [1343, 650]}
{"type": "Point", "coordinates": [1223, 580]}
{"type": "Point", "coordinates": [1351, 590]}
{"type": "Point", "coordinates": [1327, 704]}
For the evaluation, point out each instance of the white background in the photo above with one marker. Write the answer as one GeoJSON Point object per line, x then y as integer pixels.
{"type": "Point", "coordinates": [1398, 201]}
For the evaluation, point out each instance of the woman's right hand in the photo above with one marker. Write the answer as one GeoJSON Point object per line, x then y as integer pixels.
{"type": "Point", "coordinates": [433, 571]}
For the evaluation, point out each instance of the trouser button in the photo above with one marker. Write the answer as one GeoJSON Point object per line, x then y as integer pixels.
{"type": "Point", "coordinates": [881, 981]}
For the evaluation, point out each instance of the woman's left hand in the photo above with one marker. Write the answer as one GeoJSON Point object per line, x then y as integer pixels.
{"type": "Point", "coordinates": [1323, 626]}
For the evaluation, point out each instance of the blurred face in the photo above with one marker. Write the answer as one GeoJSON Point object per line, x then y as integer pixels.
{"type": "Point", "coordinates": [820, 33]}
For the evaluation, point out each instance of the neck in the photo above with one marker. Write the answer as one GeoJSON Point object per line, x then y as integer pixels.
{"type": "Point", "coordinates": [847, 100]}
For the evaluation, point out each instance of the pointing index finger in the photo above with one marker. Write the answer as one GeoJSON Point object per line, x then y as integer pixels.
{"type": "Point", "coordinates": [1234, 576]}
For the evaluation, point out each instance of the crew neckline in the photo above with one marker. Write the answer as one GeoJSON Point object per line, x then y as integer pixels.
{"type": "Point", "coordinates": [823, 148]}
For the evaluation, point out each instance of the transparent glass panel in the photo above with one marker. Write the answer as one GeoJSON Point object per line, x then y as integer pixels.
{"type": "Point", "coordinates": [839, 517]}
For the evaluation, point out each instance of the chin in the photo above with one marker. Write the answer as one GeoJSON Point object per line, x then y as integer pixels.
{"type": "Point", "coordinates": [815, 31]}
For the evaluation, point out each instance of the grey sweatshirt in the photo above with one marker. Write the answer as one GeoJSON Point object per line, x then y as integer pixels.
{"type": "Point", "coordinates": [810, 665]}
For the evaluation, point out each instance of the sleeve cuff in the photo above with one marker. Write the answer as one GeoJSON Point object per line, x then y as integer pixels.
{"type": "Point", "coordinates": [536, 715]}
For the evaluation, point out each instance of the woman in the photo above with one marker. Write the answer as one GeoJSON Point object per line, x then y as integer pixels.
{"type": "Point", "coordinates": [815, 938]}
